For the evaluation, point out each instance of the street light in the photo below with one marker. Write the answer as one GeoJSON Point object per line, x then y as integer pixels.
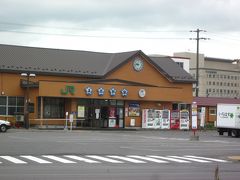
{"type": "Point", "coordinates": [26, 105]}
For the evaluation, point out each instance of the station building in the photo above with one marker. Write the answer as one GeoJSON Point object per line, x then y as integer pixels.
{"type": "Point", "coordinates": [99, 90]}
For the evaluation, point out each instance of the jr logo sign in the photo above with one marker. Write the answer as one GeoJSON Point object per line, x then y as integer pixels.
{"type": "Point", "coordinates": [68, 90]}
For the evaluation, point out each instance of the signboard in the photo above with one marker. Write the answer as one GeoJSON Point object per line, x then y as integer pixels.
{"type": "Point", "coordinates": [194, 122]}
{"type": "Point", "coordinates": [202, 116]}
{"type": "Point", "coordinates": [111, 122]}
{"type": "Point", "coordinates": [97, 112]}
{"type": "Point", "coordinates": [71, 118]}
{"type": "Point", "coordinates": [134, 110]}
{"type": "Point", "coordinates": [194, 115]}
{"type": "Point", "coordinates": [81, 112]}
{"type": "Point", "coordinates": [132, 122]}
{"type": "Point", "coordinates": [112, 112]}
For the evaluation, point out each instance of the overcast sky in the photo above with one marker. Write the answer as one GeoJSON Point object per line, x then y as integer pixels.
{"type": "Point", "coordinates": [153, 26]}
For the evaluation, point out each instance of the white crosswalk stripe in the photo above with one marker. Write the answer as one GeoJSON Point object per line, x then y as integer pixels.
{"type": "Point", "coordinates": [127, 159]}
{"type": "Point", "coordinates": [13, 159]}
{"type": "Point", "coordinates": [36, 159]}
{"type": "Point", "coordinates": [105, 159]}
{"type": "Point", "coordinates": [62, 160]}
{"type": "Point", "coordinates": [170, 159]}
{"type": "Point", "coordinates": [210, 159]}
{"type": "Point", "coordinates": [190, 159]}
{"type": "Point", "coordinates": [81, 159]}
{"type": "Point", "coordinates": [136, 159]}
{"type": "Point", "coordinates": [148, 159]}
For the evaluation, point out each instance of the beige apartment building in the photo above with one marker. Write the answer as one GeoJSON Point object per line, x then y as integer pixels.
{"type": "Point", "coordinates": [217, 77]}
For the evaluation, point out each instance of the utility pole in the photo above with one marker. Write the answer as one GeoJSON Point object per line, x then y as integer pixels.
{"type": "Point", "coordinates": [197, 57]}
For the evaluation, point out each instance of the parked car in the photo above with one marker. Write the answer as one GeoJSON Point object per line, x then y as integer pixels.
{"type": "Point", "coordinates": [4, 125]}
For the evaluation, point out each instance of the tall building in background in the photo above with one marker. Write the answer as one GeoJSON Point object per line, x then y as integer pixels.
{"type": "Point", "coordinates": [217, 77]}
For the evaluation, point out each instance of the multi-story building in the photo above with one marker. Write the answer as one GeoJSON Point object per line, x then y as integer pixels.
{"type": "Point", "coordinates": [217, 77]}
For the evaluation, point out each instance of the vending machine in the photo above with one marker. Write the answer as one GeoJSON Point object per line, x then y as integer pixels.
{"type": "Point", "coordinates": [165, 119]}
{"type": "Point", "coordinates": [148, 118]}
{"type": "Point", "coordinates": [175, 119]}
{"type": "Point", "coordinates": [158, 119]}
{"type": "Point", "coordinates": [184, 119]}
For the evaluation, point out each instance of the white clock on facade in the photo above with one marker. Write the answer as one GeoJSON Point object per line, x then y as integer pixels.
{"type": "Point", "coordinates": [142, 93]}
{"type": "Point", "coordinates": [138, 64]}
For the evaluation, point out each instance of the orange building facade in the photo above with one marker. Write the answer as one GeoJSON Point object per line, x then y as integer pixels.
{"type": "Point", "coordinates": [113, 99]}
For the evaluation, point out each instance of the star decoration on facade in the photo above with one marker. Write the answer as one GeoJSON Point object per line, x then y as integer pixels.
{"type": "Point", "coordinates": [100, 91]}
{"type": "Point", "coordinates": [112, 91]}
{"type": "Point", "coordinates": [124, 92]}
{"type": "Point", "coordinates": [88, 91]}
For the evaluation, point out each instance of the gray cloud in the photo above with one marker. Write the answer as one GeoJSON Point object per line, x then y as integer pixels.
{"type": "Point", "coordinates": [219, 15]}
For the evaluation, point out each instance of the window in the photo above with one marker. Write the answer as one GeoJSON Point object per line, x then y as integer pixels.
{"type": "Point", "coordinates": [10, 105]}
{"type": "Point", "coordinates": [53, 108]}
{"type": "Point", "coordinates": [3, 105]}
{"type": "Point", "coordinates": [180, 64]}
{"type": "Point", "coordinates": [212, 111]}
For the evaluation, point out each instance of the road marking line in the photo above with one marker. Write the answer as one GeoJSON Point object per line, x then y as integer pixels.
{"type": "Point", "coordinates": [62, 160]}
{"type": "Point", "coordinates": [148, 159]}
{"type": "Point", "coordinates": [36, 159]}
{"type": "Point", "coordinates": [127, 159]}
{"type": "Point", "coordinates": [13, 159]}
{"type": "Point", "coordinates": [105, 159]}
{"type": "Point", "coordinates": [170, 159]}
{"type": "Point", "coordinates": [210, 159]}
{"type": "Point", "coordinates": [190, 159]}
{"type": "Point", "coordinates": [81, 159]}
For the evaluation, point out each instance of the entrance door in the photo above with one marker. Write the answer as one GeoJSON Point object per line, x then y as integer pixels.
{"type": "Point", "coordinates": [100, 113]}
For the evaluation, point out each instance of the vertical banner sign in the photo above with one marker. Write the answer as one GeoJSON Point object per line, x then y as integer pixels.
{"type": "Point", "coordinates": [194, 115]}
{"type": "Point", "coordinates": [202, 117]}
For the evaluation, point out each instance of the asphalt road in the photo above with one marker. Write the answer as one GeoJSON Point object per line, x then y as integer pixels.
{"type": "Point", "coordinates": [115, 155]}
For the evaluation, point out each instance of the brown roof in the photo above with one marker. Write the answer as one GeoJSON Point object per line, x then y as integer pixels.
{"type": "Point", "coordinates": [213, 101]}
{"type": "Point", "coordinates": [59, 61]}
{"type": "Point", "coordinates": [79, 63]}
{"type": "Point", "coordinates": [171, 70]}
